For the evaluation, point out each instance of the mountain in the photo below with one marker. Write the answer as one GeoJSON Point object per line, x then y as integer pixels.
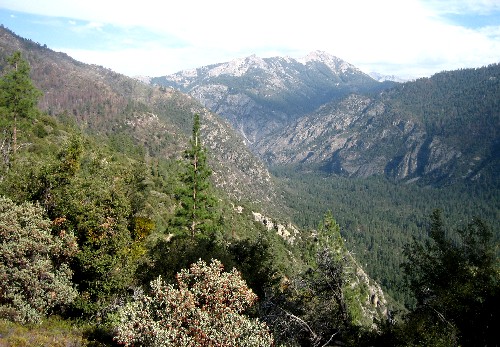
{"type": "Point", "coordinates": [382, 78]}
{"type": "Point", "coordinates": [259, 95]}
{"type": "Point", "coordinates": [337, 140]}
{"type": "Point", "coordinates": [160, 119]}
{"type": "Point", "coordinates": [440, 130]}
{"type": "Point", "coordinates": [324, 112]}
{"type": "Point", "coordinates": [334, 123]}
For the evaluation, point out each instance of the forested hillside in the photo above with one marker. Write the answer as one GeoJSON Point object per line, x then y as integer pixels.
{"type": "Point", "coordinates": [130, 215]}
{"type": "Point", "coordinates": [437, 131]}
{"type": "Point", "coordinates": [382, 163]}
{"type": "Point", "coordinates": [159, 119]}
{"type": "Point", "coordinates": [379, 217]}
{"type": "Point", "coordinates": [114, 210]}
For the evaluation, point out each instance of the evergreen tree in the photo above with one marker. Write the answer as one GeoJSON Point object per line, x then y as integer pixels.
{"type": "Point", "coordinates": [18, 95]}
{"type": "Point", "coordinates": [319, 307]}
{"type": "Point", "coordinates": [195, 212]}
{"type": "Point", "coordinates": [456, 284]}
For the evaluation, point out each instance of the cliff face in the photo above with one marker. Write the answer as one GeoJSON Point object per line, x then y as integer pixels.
{"type": "Point", "coordinates": [439, 130]}
{"type": "Point", "coordinates": [366, 299]}
{"type": "Point", "coordinates": [357, 138]}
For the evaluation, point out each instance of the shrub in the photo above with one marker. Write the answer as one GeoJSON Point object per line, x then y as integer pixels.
{"type": "Point", "coordinates": [34, 272]}
{"type": "Point", "coordinates": [205, 309]}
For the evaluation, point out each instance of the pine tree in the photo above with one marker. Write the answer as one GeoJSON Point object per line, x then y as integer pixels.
{"type": "Point", "coordinates": [456, 284]}
{"type": "Point", "coordinates": [195, 212]}
{"type": "Point", "coordinates": [18, 95]}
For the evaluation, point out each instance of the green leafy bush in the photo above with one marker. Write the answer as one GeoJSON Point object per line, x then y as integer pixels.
{"type": "Point", "coordinates": [205, 309]}
{"type": "Point", "coordinates": [34, 272]}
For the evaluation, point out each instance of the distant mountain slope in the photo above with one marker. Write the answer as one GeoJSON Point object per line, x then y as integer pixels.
{"type": "Point", "coordinates": [439, 129]}
{"type": "Point", "coordinates": [258, 95]}
{"type": "Point", "coordinates": [382, 78]}
{"type": "Point", "coordinates": [105, 102]}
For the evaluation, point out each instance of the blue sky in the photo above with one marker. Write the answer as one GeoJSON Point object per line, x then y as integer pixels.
{"type": "Point", "coordinates": [409, 38]}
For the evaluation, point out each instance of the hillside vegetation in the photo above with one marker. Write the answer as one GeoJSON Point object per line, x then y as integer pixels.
{"type": "Point", "coordinates": [134, 216]}
{"type": "Point", "coordinates": [382, 157]}
{"type": "Point", "coordinates": [115, 216]}
{"type": "Point", "coordinates": [159, 120]}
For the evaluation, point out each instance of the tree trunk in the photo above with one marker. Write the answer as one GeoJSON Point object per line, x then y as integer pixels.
{"type": "Point", "coordinates": [14, 136]}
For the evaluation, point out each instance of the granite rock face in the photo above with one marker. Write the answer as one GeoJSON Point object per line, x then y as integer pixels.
{"type": "Point", "coordinates": [259, 95]}
{"type": "Point", "coordinates": [323, 113]}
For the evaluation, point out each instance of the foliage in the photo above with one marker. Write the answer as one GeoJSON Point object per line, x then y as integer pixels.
{"type": "Point", "coordinates": [119, 199]}
{"type": "Point", "coordinates": [94, 203]}
{"type": "Point", "coordinates": [53, 332]}
{"type": "Point", "coordinates": [86, 190]}
{"type": "Point", "coordinates": [319, 307]}
{"type": "Point", "coordinates": [256, 261]}
{"type": "Point", "coordinates": [34, 271]}
{"type": "Point", "coordinates": [376, 230]}
{"type": "Point", "coordinates": [456, 282]}
{"type": "Point", "coordinates": [461, 106]}
{"type": "Point", "coordinates": [204, 310]}
{"type": "Point", "coordinates": [253, 258]}
{"type": "Point", "coordinates": [195, 213]}
{"type": "Point", "coordinates": [18, 95]}
{"type": "Point", "coordinates": [168, 254]}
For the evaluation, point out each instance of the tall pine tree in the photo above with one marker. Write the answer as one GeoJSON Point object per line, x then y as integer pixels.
{"type": "Point", "coordinates": [18, 95]}
{"type": "Point", "coordinates": [196, 213]}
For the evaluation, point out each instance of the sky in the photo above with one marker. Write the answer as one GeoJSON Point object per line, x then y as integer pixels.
{"type": "Point", "coordinates": [406, 38]}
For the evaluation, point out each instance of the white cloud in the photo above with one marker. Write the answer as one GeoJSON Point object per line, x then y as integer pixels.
{"type": "Point", "coordinates": [481, 7]}
{"type": "Point", "coordinates": [491, 32]}
{"type": "Point", "coordinates": [87, 27]}
{"type": "Point", "coordinates": [155, 61]}
{"type": "Point", "coordinates": [404, 37]}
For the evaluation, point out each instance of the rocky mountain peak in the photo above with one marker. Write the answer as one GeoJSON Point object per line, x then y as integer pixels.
{"type": "Point", "coordinates": [335, 64]}
{"type": "Point", "coordinates": [259, 95]}
{"type": "Point", "coordinates": [381, 77]}
{"type": "Point", "coordinates": [320, 56]}
{"type": "Point", "coordinates": [238, 67]}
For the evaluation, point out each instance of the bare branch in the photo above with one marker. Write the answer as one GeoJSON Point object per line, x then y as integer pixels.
{"type": "Point", "coordinates": [330, 339]}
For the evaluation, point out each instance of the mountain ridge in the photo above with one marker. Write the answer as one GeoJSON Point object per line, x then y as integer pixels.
{"type": "Point", "coordinates": [439, 129]}
{"type": "Point", "coordinates": [105, 102]}
{"type": "Point", "coordinates": [258, 95]}
{"type": "Point", "coordinates": [383, 77]}
{"type": "Point", "coordinates": [354, 134]}
{"type": "Point", "coordinates": [280, 104]}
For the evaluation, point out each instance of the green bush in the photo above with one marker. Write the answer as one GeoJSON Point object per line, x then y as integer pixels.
{"type": "Point", "coordinates": [205, 309]}
{"type": "Point", "coordinates": [34, 272]}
